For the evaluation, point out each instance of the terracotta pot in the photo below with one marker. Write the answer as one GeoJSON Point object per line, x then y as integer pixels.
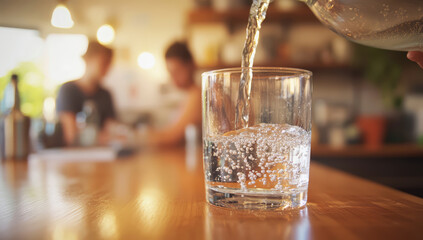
{"type": "Point", "coordinates": [373, 129]}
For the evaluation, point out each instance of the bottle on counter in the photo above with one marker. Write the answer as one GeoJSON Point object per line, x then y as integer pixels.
{"type": "Point", "coordinates": [88, 121]}
{"type": "Point", "coordinates": [14, 127]}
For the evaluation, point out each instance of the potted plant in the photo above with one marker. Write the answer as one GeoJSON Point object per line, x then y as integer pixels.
{"type": "Point", "coordinates": [383, 70]}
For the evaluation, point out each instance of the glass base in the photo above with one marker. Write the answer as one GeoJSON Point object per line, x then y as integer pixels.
{"type": "Point", "coordinates": [256, 201]}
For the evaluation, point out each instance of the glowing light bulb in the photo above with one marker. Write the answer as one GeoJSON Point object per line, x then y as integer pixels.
{"type": "Point", "coordinates": [146, 60]}
{"type": "Point", "coordinates": [61, 17]}
{"type": "Point", "coordinates": [105, 34]}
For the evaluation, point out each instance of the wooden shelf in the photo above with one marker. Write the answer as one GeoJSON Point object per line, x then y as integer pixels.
{"type": "Point", "coordinates": [240, 16]}
{"type": "Point", "coordinates": [209, 15]}
{"type": "Point", "coordinates": [360, 151]}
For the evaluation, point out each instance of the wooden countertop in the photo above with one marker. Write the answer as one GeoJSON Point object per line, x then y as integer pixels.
{"type": "Point", "coordinates": [156, 195]}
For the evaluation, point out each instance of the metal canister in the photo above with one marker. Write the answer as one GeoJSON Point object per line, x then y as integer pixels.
{"type": "Point", "coordinates": [14, 129]}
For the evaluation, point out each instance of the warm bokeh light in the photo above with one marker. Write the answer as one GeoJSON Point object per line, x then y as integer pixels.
{"type": "Point", "coordinates": [146, 60]}
{"type": "Point", "coordinates": [291, 86]}
{"type": "Point", "coordinates": [64, 54]}
{"type": "Point", "coordinates": [105, 34]}
{"type": "Point", "coordinates": [61, 17]}
{"type": "Point", "coordinates": [18, 45]}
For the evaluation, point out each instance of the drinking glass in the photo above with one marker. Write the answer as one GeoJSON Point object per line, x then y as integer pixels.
{"type": "Point", "coordinates": [264, 165]}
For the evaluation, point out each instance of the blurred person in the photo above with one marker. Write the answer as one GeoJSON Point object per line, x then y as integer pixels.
{"type": "Point", "coordinates": [181, 67]}
{"type": "Point", "coordinates": [416, 57]}
{"type": "Point", "coordinates": [74, 94]}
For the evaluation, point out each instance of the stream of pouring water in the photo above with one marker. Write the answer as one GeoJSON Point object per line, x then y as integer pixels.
{"type": "Point", "coordinates": [256, 17]}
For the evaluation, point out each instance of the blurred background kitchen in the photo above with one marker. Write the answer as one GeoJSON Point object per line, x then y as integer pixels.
{"type": "Point", "coordinates": [367, 103]}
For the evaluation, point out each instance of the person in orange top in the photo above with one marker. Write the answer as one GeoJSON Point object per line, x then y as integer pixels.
{"type": "Point", "coordinates": [416, 57]}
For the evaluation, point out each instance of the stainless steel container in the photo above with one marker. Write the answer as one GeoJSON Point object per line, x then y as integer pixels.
{"type": "Point", "coordinates": [14, 128]}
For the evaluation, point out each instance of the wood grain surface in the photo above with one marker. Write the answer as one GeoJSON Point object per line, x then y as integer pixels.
{"type": "Point", "coordinates": [158, 194]}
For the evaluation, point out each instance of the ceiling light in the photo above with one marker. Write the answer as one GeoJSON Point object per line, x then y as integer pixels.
{"type": "Point", "coordinates": [105, 34]}
{"type": "Point", "coordinates": [61, 17]}
{"type": "Point", "coordinates": [146, 60]}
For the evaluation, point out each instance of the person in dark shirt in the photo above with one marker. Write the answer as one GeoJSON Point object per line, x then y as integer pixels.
{"type": "Point", "coordinates": [72, 95]}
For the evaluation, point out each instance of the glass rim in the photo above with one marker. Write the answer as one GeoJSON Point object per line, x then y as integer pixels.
{"type": "Point", "coordinates": [289, 70]}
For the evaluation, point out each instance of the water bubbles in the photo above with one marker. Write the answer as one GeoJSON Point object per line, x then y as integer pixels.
{"type": "Point", "coordinates": [259, 158]}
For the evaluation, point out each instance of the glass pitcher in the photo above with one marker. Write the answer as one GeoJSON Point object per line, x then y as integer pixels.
{"type": "Point", "coordinates": [387, 24]}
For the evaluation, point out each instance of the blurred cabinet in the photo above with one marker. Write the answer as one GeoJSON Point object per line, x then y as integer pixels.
{"type": "Point", "coordinates": [397, 165]}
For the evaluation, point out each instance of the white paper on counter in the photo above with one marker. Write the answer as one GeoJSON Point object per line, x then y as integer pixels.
{"type": "Point", "coordinates": [96, 154]}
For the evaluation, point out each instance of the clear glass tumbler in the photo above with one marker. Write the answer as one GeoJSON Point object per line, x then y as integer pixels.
{"type": "Point", "coordinates": [266, 165]}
